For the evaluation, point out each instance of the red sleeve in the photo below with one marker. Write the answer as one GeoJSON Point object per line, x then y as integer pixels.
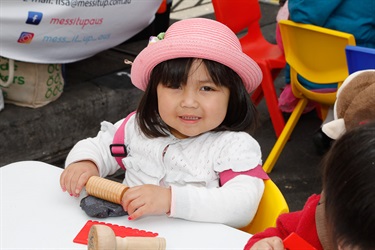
{"type": "Point", "coordinates": [285, 224]}
{"type": "Point", "coordinates": [301, 222]}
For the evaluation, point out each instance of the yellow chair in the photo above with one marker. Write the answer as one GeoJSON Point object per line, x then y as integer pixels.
{"type": "Point", "coordinates": [270, 207]}
{"type": "Point", "coordinates": [318, 55]}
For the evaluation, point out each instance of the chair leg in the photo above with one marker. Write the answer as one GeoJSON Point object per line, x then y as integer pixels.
{"type": "Point", "coordinates": [272, 102]}
{"type": "Point", "coordinates": [284, 136]}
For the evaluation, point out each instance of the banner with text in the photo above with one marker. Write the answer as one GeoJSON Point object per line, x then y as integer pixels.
{"type": "Point", "coordinates": [63, 31]}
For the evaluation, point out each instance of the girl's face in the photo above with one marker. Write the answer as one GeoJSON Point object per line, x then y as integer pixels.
{"type": "Point", "coordinates": [194, 108]}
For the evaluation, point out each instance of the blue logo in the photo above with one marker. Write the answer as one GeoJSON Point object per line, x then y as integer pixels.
{"type": "Point", "coordinates": [34, 17]}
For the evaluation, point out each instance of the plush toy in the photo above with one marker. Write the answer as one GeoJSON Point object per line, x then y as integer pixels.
{"type": "Point", "coordinates": [355, 103]}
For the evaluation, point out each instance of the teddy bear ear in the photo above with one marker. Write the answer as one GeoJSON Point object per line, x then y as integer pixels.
{"type": "Point", "coordinates": [334, 129]}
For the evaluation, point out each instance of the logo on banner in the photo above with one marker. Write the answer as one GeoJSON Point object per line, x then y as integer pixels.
{"type": "Point", "coordinates": [34, 17]}
{"type": "Point", "coordinates": [26, 37]}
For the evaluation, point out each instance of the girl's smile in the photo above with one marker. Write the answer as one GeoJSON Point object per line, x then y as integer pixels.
{"type": "Point", "coordinates": [189, 119]}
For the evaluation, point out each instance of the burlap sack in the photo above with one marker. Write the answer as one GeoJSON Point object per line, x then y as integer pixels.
{"type": "Point", "coordinates": [30, 84]}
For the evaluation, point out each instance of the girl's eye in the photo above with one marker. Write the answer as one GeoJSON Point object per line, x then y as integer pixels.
{"type": "Point", "coordinates": [207, 88]}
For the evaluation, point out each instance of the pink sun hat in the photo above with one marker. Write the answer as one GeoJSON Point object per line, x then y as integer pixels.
{"type": "Point", "coordinates": [197, 38]}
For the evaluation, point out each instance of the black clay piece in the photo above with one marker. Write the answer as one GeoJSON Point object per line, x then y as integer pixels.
{"type": "Point", "coordinates": [96, 207]}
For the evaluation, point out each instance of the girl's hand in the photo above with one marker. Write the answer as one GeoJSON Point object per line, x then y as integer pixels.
{"type": "Point", "coordinates": [271, 243]}
{"type": "Point", "coordinates": [146, 199]}
{"type": "Point", "coordinates": [76, 175]}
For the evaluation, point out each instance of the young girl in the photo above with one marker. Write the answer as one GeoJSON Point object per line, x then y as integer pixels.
{"type": "Point", "coordinates": [343, 215]}
{"type": "Point", "coordinates": [188, 151]}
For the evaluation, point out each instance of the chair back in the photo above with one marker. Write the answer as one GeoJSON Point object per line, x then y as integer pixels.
{"type": "Point", "coordinates": [359, 58]}
{"type": "Point", "coordinates": [270, 207]}
{"type": "Point", "coordinates": [237, 15]}
{"type": "Point", "coordinates": [317, 54]}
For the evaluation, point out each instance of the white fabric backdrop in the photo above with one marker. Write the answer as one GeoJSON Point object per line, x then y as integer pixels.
{"type": "Point", "coordinates": [63, 31]}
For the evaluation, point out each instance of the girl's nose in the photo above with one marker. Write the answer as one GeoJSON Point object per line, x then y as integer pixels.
{"type": "Point", "coordinates": [189, 99]}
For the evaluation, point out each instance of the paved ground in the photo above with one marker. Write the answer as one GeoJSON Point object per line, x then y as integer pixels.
{"type": "Point", "coordinates": [99, 89]}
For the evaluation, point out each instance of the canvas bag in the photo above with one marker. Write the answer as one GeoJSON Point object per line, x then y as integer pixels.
{"type": "Point", "coordinates": [30, 84]}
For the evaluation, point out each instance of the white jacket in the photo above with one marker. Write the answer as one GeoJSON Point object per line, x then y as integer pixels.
{"type": "Point", "coordinates": [189, 166]}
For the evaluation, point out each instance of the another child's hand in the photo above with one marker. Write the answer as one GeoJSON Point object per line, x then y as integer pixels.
{"type": "Point", "coordinates": [146, 199]}
{"type": "Point", "coordinates": [76, 175]}
{"type": "Point", "coordinates": [271, 243]}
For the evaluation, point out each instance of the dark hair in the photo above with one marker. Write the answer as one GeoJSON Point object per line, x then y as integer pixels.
{"type": "Point", "coordinates": [349, 188]}
{"type": "Point", "coordinates": [241, 114]}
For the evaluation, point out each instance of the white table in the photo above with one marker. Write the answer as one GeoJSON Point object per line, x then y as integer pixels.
{"type": "Point", "coordinates": [36, 214]}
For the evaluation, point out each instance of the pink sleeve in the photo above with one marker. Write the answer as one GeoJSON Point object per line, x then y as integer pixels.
{"type": "Point", "coordinates": [255, 172]}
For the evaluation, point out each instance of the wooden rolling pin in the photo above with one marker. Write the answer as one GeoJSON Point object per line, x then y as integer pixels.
{"type": "Point", "coordinates": [106, 189]}
{"type": "Point", "coordinates": [102, 237]}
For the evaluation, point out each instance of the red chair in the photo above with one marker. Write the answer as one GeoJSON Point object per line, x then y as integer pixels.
{"type": "Point", "coordinates": [240, 15]}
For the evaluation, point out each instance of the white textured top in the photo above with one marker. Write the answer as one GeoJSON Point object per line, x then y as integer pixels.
{"type": "Point", "coordinates": [190, 166]}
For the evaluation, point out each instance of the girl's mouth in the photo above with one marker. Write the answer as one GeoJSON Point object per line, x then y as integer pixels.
{"type": "Point", "coordinates": [190, 118]}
